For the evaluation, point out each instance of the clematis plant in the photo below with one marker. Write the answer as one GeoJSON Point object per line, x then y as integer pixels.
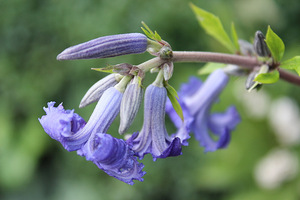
{"type": "Point", "coordinates": [190, 109]}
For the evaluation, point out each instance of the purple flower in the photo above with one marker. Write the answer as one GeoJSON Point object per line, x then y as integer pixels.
{"type": "Point", "coordinates": [112, 155]}
{"type": "Point", "coordinates": [153, 138]}
{"type": "Point", "coordinates": [60, 124]}
{"type": "Point", "coordinates": [103, 115]}
{"type": "Point", "coordinates": [196, 100]}
{"type": "Point", "coordinates": [115, 157]}
{"type": "Point", "coordinates": [107, 46]}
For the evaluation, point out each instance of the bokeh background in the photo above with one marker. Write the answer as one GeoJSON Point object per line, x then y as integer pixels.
{"type": "Point", "coordinates": [261, 162]}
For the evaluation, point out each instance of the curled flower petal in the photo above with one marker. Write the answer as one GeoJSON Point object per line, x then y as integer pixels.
{"type": "Point", "coordinates": [197, 102]}
{"type": "Point", "coordinates": [115, 157]}
{"type": "Point", "coordinates": [59, 122]}
{"type": "Point", "coordinates": [227, 120]}
{"type": "Point", "coordinates": [103, 115]}
{"type": "Point", "coordinates": [130, 105]}
{"type": "Point", "coordinates": [153, 138]}
{"type": "Point", "coordinates": [183, 127]}
{"type": "Point", "coordinates": [96, 91]}
{"type": "Point", "coordinates": [107, 46]}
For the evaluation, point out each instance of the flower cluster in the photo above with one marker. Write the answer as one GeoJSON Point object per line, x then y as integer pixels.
{"type": "Point", "coordinates": [122, 92]}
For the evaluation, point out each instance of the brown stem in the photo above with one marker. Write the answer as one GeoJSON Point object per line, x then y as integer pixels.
{"type": "Point", "coordinates": [287, 76]}
{"type": "Point", "coordinates": [243, 61]}
{"type": "Point", "coordinates": [200, 56]}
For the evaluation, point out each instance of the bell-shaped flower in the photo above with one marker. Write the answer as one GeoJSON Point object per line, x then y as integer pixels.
{"type": "Point", "coordinates": [59, 123]}
{"type": "Point", "coordinates": [153, 138]}
{"type": "Point", "coordinates": [107, 46]}
{"type": "Point", "coordinates": [112, 155]}
{"type": "Point", "coordinates": [197, 99]}
{"type": "Point", "coordinates": [103, 115]}
{"type": "Point", "coordinates": [115, 157]}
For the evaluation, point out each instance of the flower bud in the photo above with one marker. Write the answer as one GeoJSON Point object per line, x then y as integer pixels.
{"type": "Point", "coordinates": [130, 104]}
{"type": "Point", "coordinates": [250, 83]}
{"type": "Point", "coordinates": [96, 91]}
{"type": "Point", "coordinates": [107, 46]}
{"type": "Point", "coordinates": [166, 53]}
{"type": "Point", "coordinates": [153, 138]}
{"type": "Point", "coordinates": [260, 46]}
{"type": "Point", "coordinates": [246, 48]}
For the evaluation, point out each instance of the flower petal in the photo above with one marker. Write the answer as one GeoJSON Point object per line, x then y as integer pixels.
{"type": "Point", "coordinates": [153, 138]}
{"type": "Point", "coordinates": [59, 122]}
{"type": "Point", "coordinates": [103, 115]}
{"type": "Point", "coordinates": [107, 46]}
{"type": "Point", "coordinates": [183, 127]}
{"type": "Point", "coordinates": [115, 157]}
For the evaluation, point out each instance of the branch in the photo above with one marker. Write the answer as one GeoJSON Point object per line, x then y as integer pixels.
{"type": "Point", "coordinates": [243, 61]}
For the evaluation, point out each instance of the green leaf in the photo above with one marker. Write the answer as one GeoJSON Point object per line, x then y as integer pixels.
{"type": "Point", "coordinates": [108, 69]}
{"type": "Point", "coordinates": [293, 64]}
{"type": "Point", "coordinates": [152, 35]}
{"type": "Point", "coordinates": [235, 37]}
{"type": "Point", "coordinates": [209, 68]}
{"type": "Point", "coordinates": [268, 78]}
{"type": "Point", "coordinates": [213, 26]}
{"type": "Point", "coordinates": [275, 45]}
{"type": "Point", "coordinates": [171, 90]}
{"type": "Point", "coordinates": [172, 94]}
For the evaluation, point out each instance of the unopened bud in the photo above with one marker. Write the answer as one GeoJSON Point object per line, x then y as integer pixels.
{"type": "Point", "coordinates": [96, 91]}
{"type": "Point", "coordinates": [130, 104]}
{"type": "Point", "coordinates": [166, 53]}
{"type": "Point", "coordinates": [250, 84]}
{"type": "Point", "coordinates": [250, 81]}
{"type": "Point", "coordinates": [107, 46]}
{"type": "Point", "coordinates": [260, 45]}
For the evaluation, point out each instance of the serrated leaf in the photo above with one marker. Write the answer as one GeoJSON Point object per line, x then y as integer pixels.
{"type": "Point", "coordinates": [268, 78]}
{"type": "Point", "coordinates": [235, 37]}
{"type": "Point", "coordinates": [172, 94]}
{"type": "Point", "coordinates": [275, 44]}
{"type": "Point", "coordinates": [209, 68]}
{"type": "Point", "coordinates": [293, 64]}
{"type": "Point", "coordinates": [213, 26]}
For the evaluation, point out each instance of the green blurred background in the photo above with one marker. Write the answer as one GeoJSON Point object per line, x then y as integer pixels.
{"type": "Point", "coordinates": [33, 166]}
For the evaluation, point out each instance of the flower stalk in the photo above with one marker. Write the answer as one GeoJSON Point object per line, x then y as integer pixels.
{"type": "Point", "coordinates": [243, 61]}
